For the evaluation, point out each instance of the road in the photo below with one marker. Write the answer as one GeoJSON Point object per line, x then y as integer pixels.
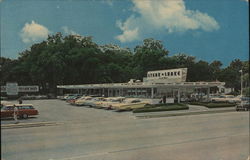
{"type": "Point", "coordinates": [81, 133]}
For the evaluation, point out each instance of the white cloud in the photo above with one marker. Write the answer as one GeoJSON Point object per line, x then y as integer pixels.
{"type": "Point", "coordinates": [128, 33]}
{"type": "Point", "coordinates": [163, 16]}
{"type": "Point", "coordinates": [66, 30]}
{"type": "Point", "coordinates": [108, 2]}
{"type": "Point", "coordinates": [33, 32]}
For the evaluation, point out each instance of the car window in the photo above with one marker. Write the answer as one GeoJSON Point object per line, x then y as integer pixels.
{"type": "Point", "coordinates": [9, 108]}
{"type": "Point", "coordinates": [25, 107]}
{"type": "Point", "coordinates": [31, 107]}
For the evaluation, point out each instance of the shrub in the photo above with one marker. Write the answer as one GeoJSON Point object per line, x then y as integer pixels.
{"type": "Point", "coordinates": [161, 107]}
{"type": "Point", "coordinates": [213, 104]}
{"type": "Point", "coordinates": [218, 105]}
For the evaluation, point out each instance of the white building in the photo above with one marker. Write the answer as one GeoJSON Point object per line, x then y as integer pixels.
{"type": "Point", "coordinates": [171, 83]}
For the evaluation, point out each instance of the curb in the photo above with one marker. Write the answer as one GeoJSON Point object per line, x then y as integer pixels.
{"type": "Point", "coordinates": [184, 114]}
{"type": "Point", "coordinates": [27, 125]}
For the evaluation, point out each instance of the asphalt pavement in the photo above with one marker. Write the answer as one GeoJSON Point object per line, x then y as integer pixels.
{"type": "Point", "coordinates": [65, 132]}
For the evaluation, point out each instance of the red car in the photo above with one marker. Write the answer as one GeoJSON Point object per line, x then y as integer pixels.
{"type": "Point", "coordinates": [24, 111]}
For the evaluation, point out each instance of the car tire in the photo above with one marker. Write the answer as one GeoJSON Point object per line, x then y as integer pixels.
{"type": "Point", "coordinates": [25, 116]}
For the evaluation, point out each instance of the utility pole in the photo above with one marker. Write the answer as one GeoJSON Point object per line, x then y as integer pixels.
{"type": "Point", "coordinates": [241, 83]}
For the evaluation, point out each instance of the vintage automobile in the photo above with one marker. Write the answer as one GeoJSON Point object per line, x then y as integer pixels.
{"type": "Point", "coordinates": [24, 111]}
{"type": "Point", "coordinates": [129, 104]}
{"type": "Point", "coordinates": [226, 98]}
{"type": "Point", "coordinates": [91, 102]}
{"type": "Point", "coordinates": [81, 101]}
{"type": "Point", "coordinates": [243, 105]}
{"type": "Point", "coordinates": [107, 102]}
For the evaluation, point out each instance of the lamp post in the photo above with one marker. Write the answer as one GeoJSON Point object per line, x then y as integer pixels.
{"type": "Point", "coordinates": [241, 82]}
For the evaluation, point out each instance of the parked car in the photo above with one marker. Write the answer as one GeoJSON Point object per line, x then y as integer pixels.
{"type": "Point", "coordinates": [93, 101]}
{"type": "Point", "coordinates": [71, 99]}
{"type": "Point", "coordinates": [226, 98]}
{"type": "Point", "coordinates": [24, 111]}
{"type": "Point", "coordinates": [129, 103]}
{"type": "Point", "coordinates": [69, 96]}
{"type": "Point", "coordinates": [81, 101]}
{"type": "Point", "coordinates": [100, 104]}
{"type": "Point", "coordinates": [107, 102]}
{"type": "Point", "coordinates": [244, 105]}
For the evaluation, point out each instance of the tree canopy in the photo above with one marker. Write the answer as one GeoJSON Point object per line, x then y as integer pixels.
{"type": "Point", "coordinates": [75, 59]}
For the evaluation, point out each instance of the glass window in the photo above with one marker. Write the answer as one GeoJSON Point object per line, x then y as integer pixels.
{"type": "Point", "coordinates": [168, 74]}
{"type": "Point", "coordinates": [159, 74]}
{"type": "Point", "coordinates": [171, 73]}
{"type": "Point", "coordinates": [179, 73]}
{"type": "Point", "coordinates": [9, 108]}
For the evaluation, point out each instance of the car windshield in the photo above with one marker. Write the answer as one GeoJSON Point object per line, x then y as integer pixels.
{"type": "Point", "coordinates": [7, 108]}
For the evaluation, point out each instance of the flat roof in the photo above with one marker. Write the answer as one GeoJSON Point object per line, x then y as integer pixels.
{"type": "Point", "coordinates": [169, 70]}
{"type": "Point", "coordinates": [143, 85]}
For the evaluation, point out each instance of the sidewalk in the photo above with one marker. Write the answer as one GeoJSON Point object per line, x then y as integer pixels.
{"type": "Point", "coordinates": [193, 110]}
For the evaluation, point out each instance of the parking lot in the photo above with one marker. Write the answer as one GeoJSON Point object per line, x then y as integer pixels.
{"type": "Point", "coordinates": [93, 134]}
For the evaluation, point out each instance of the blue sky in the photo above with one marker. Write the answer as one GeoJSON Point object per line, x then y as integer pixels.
{"type": "Point", "coordinates": [208, 29]}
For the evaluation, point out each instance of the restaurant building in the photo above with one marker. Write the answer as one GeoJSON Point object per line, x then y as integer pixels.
{"type": "Point", "coordinates": [170, 82]}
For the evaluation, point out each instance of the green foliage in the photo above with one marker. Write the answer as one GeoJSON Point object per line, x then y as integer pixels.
{"type": "Point", "coordinates": [246, 91]}
{"type": "Point", "coordinates": [73, 59]}
{"type": "Point", "coordinates": [231, 74]}
{"type": "Point", "coordinates": [148, 57]}
{"type": "Point", "coordinates": [161, 107]}
{"type": "Point", "coordinates": [214, 104]}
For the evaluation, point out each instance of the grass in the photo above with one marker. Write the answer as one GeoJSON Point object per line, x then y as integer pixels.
{"type": "Point", "coordinates": [161, 107]}
{"type": "Point", "coordinates": [213, 105]}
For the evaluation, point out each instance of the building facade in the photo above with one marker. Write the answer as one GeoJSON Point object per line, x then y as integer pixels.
{"type": "Point", "coordinates": [171, 83]}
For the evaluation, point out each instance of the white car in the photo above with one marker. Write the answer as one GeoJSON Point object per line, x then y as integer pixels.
{"type": "Point", "coordinates": [81, 101]}
{"type": "Point", "coordinates": [108, 102]}
{"type": "Point", "coordinates": [91, 102]}
{"type": "Point", "coordinates": [226, 98]}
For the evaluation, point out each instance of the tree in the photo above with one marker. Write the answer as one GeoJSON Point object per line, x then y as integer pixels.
{"type": "Point", "coordinates": [75, 59]}
{"type": "Point", "coordinates": [231, 74]}
{"type": "Point", "coordinates": [199, 71]}
{"type": "Point", "coordinates": [215, 68]}
{"type": "Point", "coordinates": [149, 56]}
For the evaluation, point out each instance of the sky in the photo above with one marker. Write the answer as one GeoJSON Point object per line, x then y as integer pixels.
{"type": "Point", "coordinates": [207, 29]}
